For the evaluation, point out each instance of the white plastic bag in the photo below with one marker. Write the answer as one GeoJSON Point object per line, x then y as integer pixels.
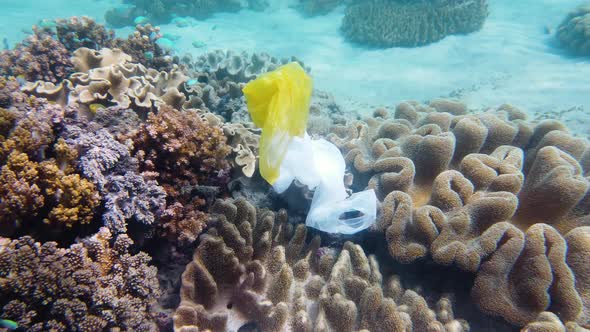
{"type": "Point", "coordinates": [319, 164]}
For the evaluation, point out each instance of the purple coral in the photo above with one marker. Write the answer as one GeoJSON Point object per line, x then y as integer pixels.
{"type": "Point", "coordinates": [127, 195]}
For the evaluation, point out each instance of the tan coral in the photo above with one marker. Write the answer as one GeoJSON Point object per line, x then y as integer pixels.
{"type": "Point", "coordinates": [488, 192]}
{"type": "Point", "coordinates": [107, 77]}
{"type": "Point", "coordinates": [254, 267]}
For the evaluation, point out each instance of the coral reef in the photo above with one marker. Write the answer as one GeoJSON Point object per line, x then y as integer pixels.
{"type": "Point", "coordinates": [75, 32]}
{"type": "Point", "coordinates": [38, 184]}
{"type": "Point", "coordinates": [574, 32]}
{"type": "Point", "coordinates": [162, 11]}
{"type": "Point", "coordinates": [318, 7]}
{"type": "Point", "coordinates": [391, 23]}
{"type": "Point", "coordinates": [128, 196]}
{"type": "Point", "coordinates": [253, 269]}
{"type": "Point", "coordinates": [217, 79]}
{"type": "Point", "coordinates": [39, 57]}
{"type": "Point", "coordinates": [188, 156]}
{"type": "Point", "coordinates": [471, 190]}
{"type": "Point", "coordinates": [107, 78]}
{"type": "Point", "coordinates": [91, 286]}
{"type": "Point", "coordinates": [142, 46]}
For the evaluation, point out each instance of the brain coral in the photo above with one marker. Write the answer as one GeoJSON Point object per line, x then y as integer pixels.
{"type": "Point", "coordinates": [90, 286]}
{"type": "Point", "coordinates": [491, 193]}
{"type": "Point", "coordinates": [574, 32]}
{"type": "Point", "coordinates": [390, 23]}
{"type": "Point", "coordinates": [253, 269]}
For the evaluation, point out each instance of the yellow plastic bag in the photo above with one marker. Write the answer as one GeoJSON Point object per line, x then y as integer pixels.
{"type": "Point", "coordinates": [278, 102]}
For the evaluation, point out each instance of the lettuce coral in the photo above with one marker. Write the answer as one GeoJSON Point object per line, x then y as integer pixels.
{"type": "Point", "coordinates": [91, 286]}
{"type": "Point", "coordinates": [391, 23]}
{"type": "Point", "coordinates": [491, 193]}
{"type": "Point", "coordinates": [255, 269]}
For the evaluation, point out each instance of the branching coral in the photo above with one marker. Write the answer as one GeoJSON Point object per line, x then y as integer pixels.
{"type": "Point", "coordinates": [127, 195]}
{"type": "Point", "coordinates": [574, 32]}
{"type": "Point", "coordinates": [186, 153]}
{"type": "Point", "coordinates": [490, 193]}
{"type": "Point", "coordinates": [385, 23]}
{"type": "Point", "coordinates": [76, 32]}
{"type": "Point", "coordinates": [143, 48]}
{"type": "Point", "coordinates": [255, 269]}
{"type": "Point", "coordinates": [92, 286]}
{"type": "Point", "coordinates": [37, 179]}
{"type": "Point", "coordinates": [39, 57]}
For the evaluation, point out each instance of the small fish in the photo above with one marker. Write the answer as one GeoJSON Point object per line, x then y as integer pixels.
{"type": "Point", "coordinates": [166, 44]}
{"type": "Point", "coordinates": [95, 107]}
{"type": "Point", "coordinates": [47, 23]}
{"type": "Point", "coordinates": [5, 44]}
{"type": "Point", "coordinates": [198, 44]}
{"type": "Point", "coordinates": [140, 20]}
{"type": "Point", "coordinates": [172, 37]}
{"type": "Point", "coordinates": [192, 82]}
{"type": "Point", "coordinates": [181, 22]}
{"type": "Point", "coordinates": [21, 80]}
{"type": "Point", "coordinates": [149, 55]}
{"type": "Point", "coordinates": [214, 27]}
{"type": "Point", "coordinates": [8, 324]}
{"type": "Point", "coordinates": [154, 35]}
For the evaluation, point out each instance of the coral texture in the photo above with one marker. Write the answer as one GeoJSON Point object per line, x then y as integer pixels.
{"type": "Point", "coordinates": [39, 57]}
{"type": "Point", "coordinates": [128, 196]}
{"type": "Point", "coordinates": [490, 193]}
{"type": "Point", "coordinates": [254, 269]}
{"type": "Point", "coordinates": [217, 79]}
{"type": "Point", "coordinates": [162, 11]}
{"type": "Point", "coordinates": [91, 286]}
{"type": "Point", "coordinates": [318, 7]}
{"type": "Point", "coordinates": [386, 23]}
{"type": "Point", "coordinates": [142, 46]}
{"type": "Point", "coordinates": [106, 77]}
{"type": "Point", "coordinates": [37, 178]}
{"type": "Point", "coordinates": [75, 32]}
{"type": "Point", "coordinates": [574, 32]}
{"type": "Point", "coordinates": [188, 154]}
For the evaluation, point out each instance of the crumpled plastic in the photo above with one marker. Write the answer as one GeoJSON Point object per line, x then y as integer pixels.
{"type": "Point", "coordinates": [279, 104]}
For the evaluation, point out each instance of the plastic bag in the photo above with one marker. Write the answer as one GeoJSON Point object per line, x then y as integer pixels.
{"type": "Point", "coordinates": [278, 102]}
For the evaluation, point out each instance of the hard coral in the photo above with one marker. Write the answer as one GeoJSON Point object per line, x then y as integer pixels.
{"type": "Point", "coordinates": [38, 180]}
{"type": "Point", "coordinates": [75, 32]}
{"type": "Point", "coordinates": [39, 57]}
{"type": "Point", "coordinates": [490, 193]}
{"type": "Point", "coordinates": [92, 286]}
{"type": "Point", "coordinates": [143, 48]}
{"type": "Point", "coordinates": [574, 32]}
{"type": "Point", "coordinates": [385, 23]}
{"type": "Point", "coordinates": [255, 269]}
{"type": "Point", "coordinates": [128, 196]}
{"type": "Point", "coordinates": [187, 153]}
